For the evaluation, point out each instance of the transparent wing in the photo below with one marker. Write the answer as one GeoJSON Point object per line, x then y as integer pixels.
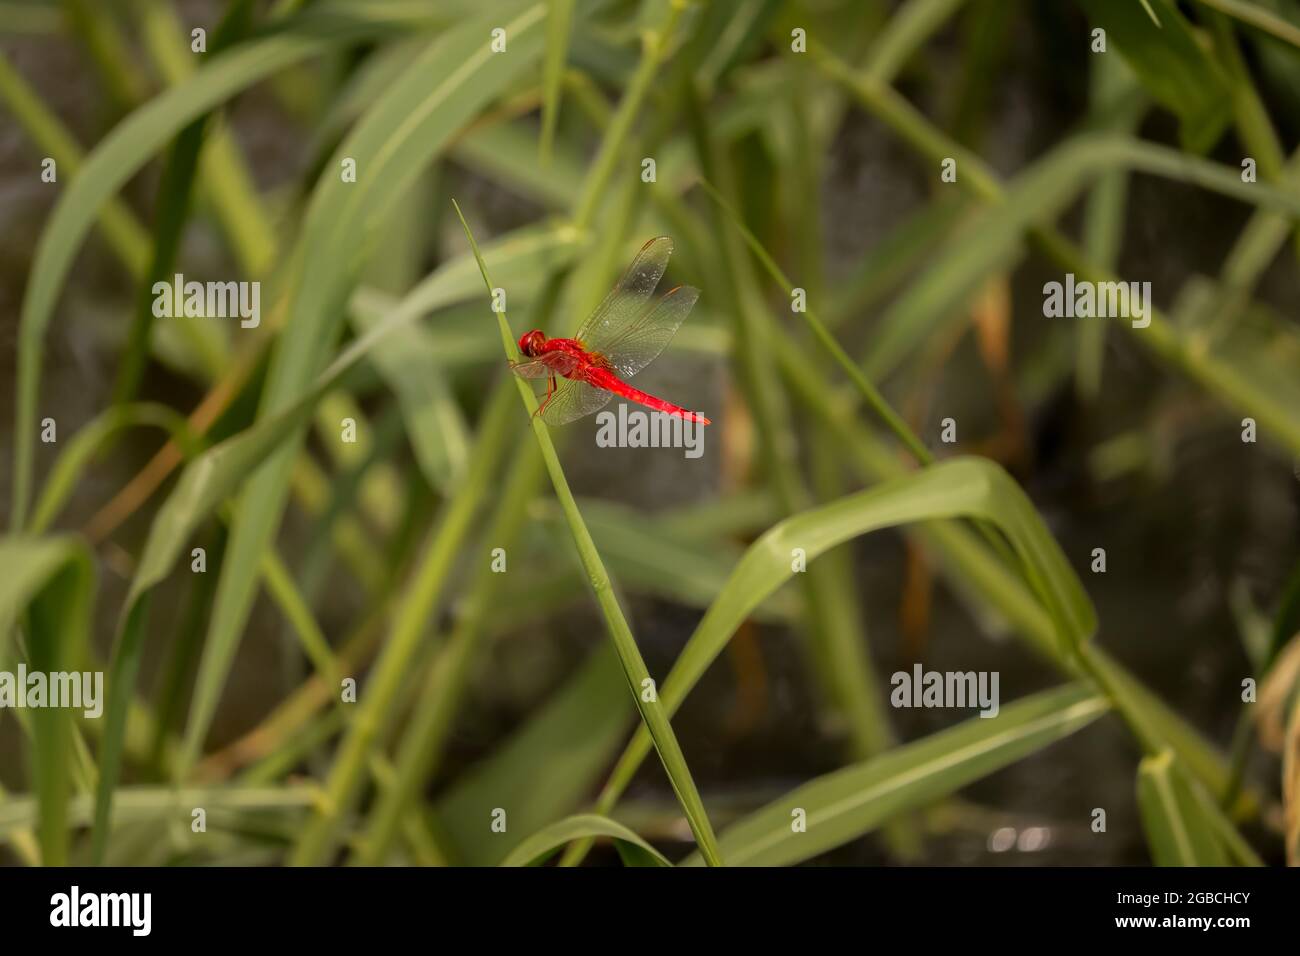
{"type": "Point", "coordinates": [552, 363]}
{"type": "Point", "coordinates": [573, 399]}
{"type": "Point", "coordinates": [642, 339]}
{"type": "Point", "coordinates": [627, 300]}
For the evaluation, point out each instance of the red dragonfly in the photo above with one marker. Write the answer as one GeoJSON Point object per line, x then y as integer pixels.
{"type": "Point", "coordinates": [624, 335]}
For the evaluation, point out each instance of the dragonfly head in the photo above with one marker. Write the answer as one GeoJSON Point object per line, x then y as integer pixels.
{"type": "Point", "coordinates": [530, 343]}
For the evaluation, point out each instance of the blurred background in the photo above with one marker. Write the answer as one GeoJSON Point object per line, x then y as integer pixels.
{"type": "Point", "coordinates": [502, 690]}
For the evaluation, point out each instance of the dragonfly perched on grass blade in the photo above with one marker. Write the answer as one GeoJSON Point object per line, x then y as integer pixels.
{"type": "Point", "coordinates": [624, 335]}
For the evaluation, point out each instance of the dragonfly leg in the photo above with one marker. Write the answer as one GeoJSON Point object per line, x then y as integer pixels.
{"type": "Point", "coordinates": [550, 390]}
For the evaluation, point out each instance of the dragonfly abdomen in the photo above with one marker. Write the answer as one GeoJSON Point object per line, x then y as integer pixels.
{"type": "Point", "coordinates": [611, 382]}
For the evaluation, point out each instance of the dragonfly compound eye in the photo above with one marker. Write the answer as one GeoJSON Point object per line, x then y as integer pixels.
{"type": "Point", "coordinates": [530, 342]}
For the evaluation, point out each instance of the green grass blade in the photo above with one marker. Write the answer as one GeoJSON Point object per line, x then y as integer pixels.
{"type": "Point", "coordinates": [442, 90]}
{"type": "Point", "coordinates": [835, 638]}
{"type": "Point", "coordinates": [119, 157]}
{"type": "Point", "coordinates": [109, 49]}
{"type": "Point", "coordinates": [21, 839]}
{"type": "Point", "coordinates": [417, 605]}
{"type": "Point", "coordinates": [570, 740]}
{"type": "Point", "coordinates": [409, 362]}
{"type": "Point", "coordinates": [71, 464]}
{"type": "Point", "coordinates": [843, 805]}
{"type": "Point", "coordinates": [959, 487]}
{"type": "Point", "coordinates": [206, 482]}
{"type": "Point", "coordinates": [1258, 17]}
{"type": "Point", "coordinates": [415, 608]}
{"type": "Point", "coordinates": [154, 804]}
{"type": "Point", "coordinates": [889, 262]}
{"type": "Point", "coordinates": [647, 556]}
{"type": "Point", "coordinates": [51, 582]}
{"type": "Point", "coordinates": [1171, 64]}
{"type": "Point", "coordinates": [1233, 382]}
{"type": "Point", "coordinates": [411, 359]}
{"type": "Point", "coordinates": [503, 153]}
{"type": "Point", "coordinates": [1177, 830]}
{"type": "Point", "coordinates": [107, 169]}
{"type": "Point", "coordinates": [993, 239]}
{"type": "Point", "coordinates": [126, 237]}
{"type": "Point", "coordinates": [905, 32]}
{"type": "Point", "coordinates": [446, 681]}
{"type": "Point", "coordinates": [870, 394]}
{"type": "Point", "coordinates": [559, 20]}
{"type": "Point", "coordinates": [1104, 215]}
{"type": "Point", "coordinates": [655, 720]}
{"type": "Point", "coordinates": [1234, 844]}
{"type": "Point", "coordinates": [543, 844]}
{"type": "Point", "coordinates": [172, 210]}
{"type": "Point", "coordinates": [994, 586]}
{"type": "Point", "coordinates": [225, 176]}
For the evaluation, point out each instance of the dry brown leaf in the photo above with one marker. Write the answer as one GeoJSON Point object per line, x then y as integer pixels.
{"type": "Point", "coordinates": [1275, 696]}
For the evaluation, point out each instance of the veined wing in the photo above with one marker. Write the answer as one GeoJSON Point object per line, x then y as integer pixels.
{"type": "Point", "coordinates": [552, 363]}
{"type": "Point", "coordinates": [642, 339]}
{"type": "Point", "coordinates": [627, 300]}
{"type": "Point", "coordinates": [573, 399]}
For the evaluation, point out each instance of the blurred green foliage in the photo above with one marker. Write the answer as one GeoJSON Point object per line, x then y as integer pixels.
{"type": "Point", "coordinates": [375, 313]}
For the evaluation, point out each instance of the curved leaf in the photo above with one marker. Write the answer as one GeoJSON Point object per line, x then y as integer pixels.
{"type": "Point", "coordinates": [960, 487]}
{"type": "Point", "coordinates": [843, 805]}
{"type": "Point", "coordinates": [537, 848]}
